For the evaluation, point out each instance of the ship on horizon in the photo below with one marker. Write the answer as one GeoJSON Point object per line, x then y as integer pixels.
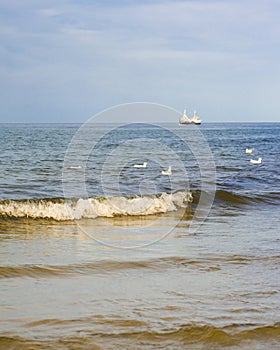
{"type": "Point", "coordinates": [186, 120]}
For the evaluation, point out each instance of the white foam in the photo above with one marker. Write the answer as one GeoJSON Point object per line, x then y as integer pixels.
{"type": "Point", "coordinates": [94, 207]}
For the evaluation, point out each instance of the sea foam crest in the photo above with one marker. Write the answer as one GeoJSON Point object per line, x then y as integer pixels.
{"type": "Point", "coordinates": [60, 209]}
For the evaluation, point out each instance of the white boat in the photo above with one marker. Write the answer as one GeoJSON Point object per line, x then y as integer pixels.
{"type": "Point", "coordinates": [195, 119]}
{"type": "Point", "coordinates": [186, 120]}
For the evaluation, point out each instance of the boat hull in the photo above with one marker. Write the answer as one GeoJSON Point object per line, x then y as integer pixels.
{"type": "Point", "coordinates": [189, 122]}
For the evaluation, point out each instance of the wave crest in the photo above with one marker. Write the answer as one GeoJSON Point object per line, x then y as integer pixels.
{"type": "Point", "coordinates": [62, 209]}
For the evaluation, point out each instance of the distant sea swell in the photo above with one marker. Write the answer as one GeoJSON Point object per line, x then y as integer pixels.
{"type": "Point", "coordinates": [228, 196]}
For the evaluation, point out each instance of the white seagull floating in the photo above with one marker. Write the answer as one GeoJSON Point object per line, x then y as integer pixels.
{"type": "Point", "coordinates": [144, 165]}
{"type": "Point", "coordinates": [249, 150]}
{"type": "Point", "coordinates": [253, 161]}
{"type": "Point", "coordinates": [75, 167]}
{"type": "Point", "coordinates": [167, 172]}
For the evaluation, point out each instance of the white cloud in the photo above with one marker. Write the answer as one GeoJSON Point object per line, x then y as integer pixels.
{"type": "Point", "coordinates": [169, 51]}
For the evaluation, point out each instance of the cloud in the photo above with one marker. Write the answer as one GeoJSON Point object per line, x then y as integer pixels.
{"type": "Point", "coordinates": [60, 55]}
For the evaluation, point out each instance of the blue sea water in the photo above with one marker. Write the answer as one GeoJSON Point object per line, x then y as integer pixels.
{"type": "Point", "coordinates": [213, 287]}
{"type": "Point", "coordinates": [32, 159]}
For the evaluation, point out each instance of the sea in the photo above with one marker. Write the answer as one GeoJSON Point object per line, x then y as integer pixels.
{"type": "Point", "coordinates": [102, 251]}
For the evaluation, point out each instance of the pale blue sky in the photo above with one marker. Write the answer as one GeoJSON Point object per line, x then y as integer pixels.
{"type": "Point", "coordinates": [63, 61]}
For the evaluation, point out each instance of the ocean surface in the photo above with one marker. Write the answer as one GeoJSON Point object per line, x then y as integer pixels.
{"type": "Point", "coordinates": [99, 253]}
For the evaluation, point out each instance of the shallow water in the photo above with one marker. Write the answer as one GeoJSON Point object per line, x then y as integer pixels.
{"type": "Point", "coordinates": [217, 287]}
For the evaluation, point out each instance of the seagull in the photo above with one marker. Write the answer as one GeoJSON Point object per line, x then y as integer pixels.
{"type": "Point", "coordinates": [75, 167]}
{"type": "Point", "coordinates": [249, 150]}
{"type": "Point", "coordinates": [253, 161]}
{"type": "Point", "coordinates": [144, 165]}
{"type": "Point", "coordinates": [167, 172]}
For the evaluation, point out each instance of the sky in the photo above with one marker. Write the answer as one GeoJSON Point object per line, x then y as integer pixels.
{"type": "Point", "coordinates": [65, 60]}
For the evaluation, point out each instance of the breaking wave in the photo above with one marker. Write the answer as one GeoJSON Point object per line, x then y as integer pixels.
{"type": "Point", "coordinates": [74, 209]}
